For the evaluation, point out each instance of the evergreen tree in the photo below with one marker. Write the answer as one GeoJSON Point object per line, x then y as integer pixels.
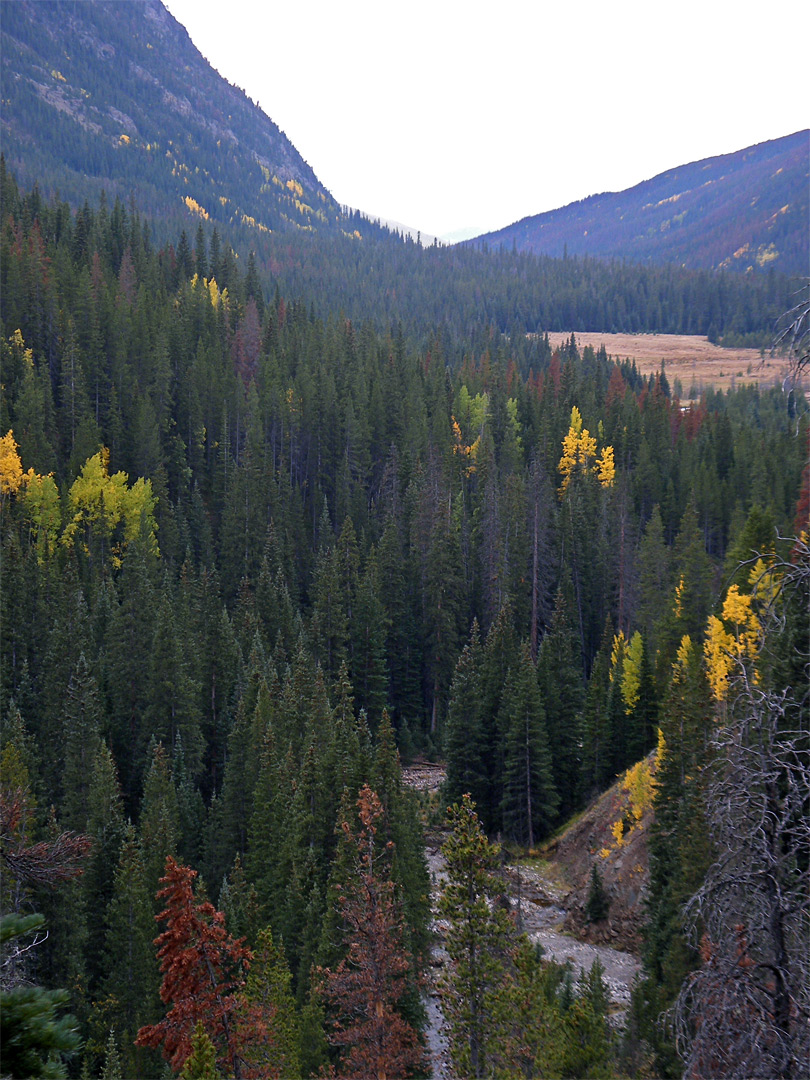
{"type": "Point", "coordinates": [82, 731]}
{"type": "Point", "coordinates": [597, 736]}
{"type": "Point", "coordinates": [365, 990]}
{"type": "Point", "coordinates": [268, 990]}
{"type": "Point", "coordinates": [500, 654]}
{"type": "Point", "coordinates": [112, 1060]}
{"type": "Point", "coordinates": [201, 1063]}
{"type": "Point", "coordinates": [530, 799]}
{"type": "Point", "coordinates": [559, 672]}
{"type": "Point", "coordinates": [158, 827]}
{"type": "Point", "coordinates": [463, 743]}
{"type": "Point", "coordinates": [35, 1038]}
{"type": "Point", "coordinates": [130, 970]}
{"type": "Point", "coordinates": [478, 937]}
{"type": "Point", "coordinates": [369, 672]}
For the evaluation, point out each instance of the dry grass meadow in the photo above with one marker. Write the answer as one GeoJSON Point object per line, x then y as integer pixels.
{"type": "Point", "coordinates": [692, 359]}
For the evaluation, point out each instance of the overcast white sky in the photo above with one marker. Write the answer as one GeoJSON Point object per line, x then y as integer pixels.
{"type": "Point", "coordinates": [449, 115]}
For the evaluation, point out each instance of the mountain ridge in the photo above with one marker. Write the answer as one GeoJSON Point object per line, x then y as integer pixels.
{"type": "Point", "coordinates": [747, 210]}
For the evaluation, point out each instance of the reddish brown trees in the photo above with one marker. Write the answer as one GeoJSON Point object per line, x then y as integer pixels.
{"type": "Point", "coordinates": [203, 970]}
{"type": "Point", "coordinates": [367, 988]}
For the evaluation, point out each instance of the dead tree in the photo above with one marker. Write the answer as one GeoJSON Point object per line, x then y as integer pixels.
{"type": "Point", "coordinates": [745, 1013]}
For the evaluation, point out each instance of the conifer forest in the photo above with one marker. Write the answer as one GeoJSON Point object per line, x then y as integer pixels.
{"type": "Point", "coordinates": [276, 522]}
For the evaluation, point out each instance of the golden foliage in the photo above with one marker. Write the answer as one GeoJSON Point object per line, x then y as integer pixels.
{"type": "Point", "coordinates": [100, 503]}
{"type": "Point", "coordinates": [733, 639]}
{"type": "Point", "coordinates": [660, 750]}
{"type": "Point", "coordinates": [195, 207]}
{"type": "Point", "coordinates": [639, 782]}
{"type": "Point", "coordinates": [631, 673]}
{"type": "Point", "coordinates": [717, 652]}
{"type": "Point", "coordinates": [679, 589]}
{"type": "Point", "coordinates": [606, 467]}
{"type": "Point", "coordinates": [682, 658]}
{"type": "Point", "coordinates": [618, 652]}
{"type": "Point", "coordinates": [44, 509]}
{"type": "Point", "coordinates": [579, 452]}
{"type": "Point", "coordinates": [11, 473]}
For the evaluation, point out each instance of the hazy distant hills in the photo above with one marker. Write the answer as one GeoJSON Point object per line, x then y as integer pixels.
{"type": "Point", "coordinates": [115, 95]}
{"type": "Point", "coordinates": [743, 211]}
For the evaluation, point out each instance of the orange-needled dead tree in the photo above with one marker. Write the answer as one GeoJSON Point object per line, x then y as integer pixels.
{"type": "Point", "coordinates": [203, 970]}
{"type": "Point", "coordinates": [364, 992]}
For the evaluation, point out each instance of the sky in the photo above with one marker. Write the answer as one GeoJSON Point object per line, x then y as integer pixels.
{"type": "Point", "coordinates": [458, 117]}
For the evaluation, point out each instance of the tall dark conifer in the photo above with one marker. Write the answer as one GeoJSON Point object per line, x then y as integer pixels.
{"type": "Point", "coordinates": [530, 800]}
{"type": "Point", "coordinates": [561, 685]}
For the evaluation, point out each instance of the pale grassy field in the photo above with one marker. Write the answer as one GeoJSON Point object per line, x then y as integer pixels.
{"type": "Point", "coordinates": [692, 359]}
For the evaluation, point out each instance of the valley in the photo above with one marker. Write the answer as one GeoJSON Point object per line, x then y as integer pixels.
{"type": "Point", "coordinates": [693, 359]}
{"type": "Point", "coordinates": [289, 498]}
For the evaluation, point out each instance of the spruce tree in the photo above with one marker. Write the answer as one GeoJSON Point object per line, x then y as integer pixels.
{"type": "Point", "coordinates": [82, 731]}
{"type": "Point", "coordinates": [131, 976]}
{"type": "Point", "coordinates": [268, 990]}
{"type": "Point", "coordinates": [559, 668]}
{"type": "Point", "coordinates": [479, 934]}
{"type": "Point", "coordinates": [530, 799]}
{"type": "Point", "coordinates": [464, 748]}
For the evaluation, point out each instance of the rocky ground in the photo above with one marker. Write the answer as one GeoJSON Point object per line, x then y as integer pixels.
{"type": "Point", "coordinates": [548, 897]}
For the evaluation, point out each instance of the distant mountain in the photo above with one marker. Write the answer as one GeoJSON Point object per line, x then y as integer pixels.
{"type": "Point", "coordinates": [113, 97]}
{"type": "Point", "coordinates": [116, 96]}
{"type": "Point", "coordinates": [742, 211]}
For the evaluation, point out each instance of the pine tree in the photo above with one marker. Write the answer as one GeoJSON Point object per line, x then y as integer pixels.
{"type": "Point", "coordinates": [588, 1037]}
{"type": "Point", "coordinates": [82, 732]}
{"type": "Point", "coordinates": [107, 826]}
{"type": "Point", "coordinates": [475, 988]}
{"type": "Point", "coordinates": [112, 1060]}
{"type": "Point", "coordinates": [268, 991]}
{"type": "Point", "coordinates": [597, 768]}
{"type": "Point", "coordinates": [34, 1036]}
{"type": "Point", "coordinates": [559, 672]}
{"type": "Point", "coordinates": [499, 655]}
{"type": "Point", "coordinates": [201, 1063]}
{"type": "Point", "coordinates": [130, 968]}
{"type": "Point", "coordinates": [158, 827]}
{"type": "Point", "coordinates": [367, 627]}
{"type": "Point", "coordinates": [530, 800]}
{"type": "Point", "coordinates": [464, 748]}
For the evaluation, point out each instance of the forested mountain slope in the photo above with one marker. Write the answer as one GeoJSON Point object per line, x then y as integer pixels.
{"type": "Point", "coordinates": [115, 96]}
{"type": "Point", "coordinates": [743, 211]}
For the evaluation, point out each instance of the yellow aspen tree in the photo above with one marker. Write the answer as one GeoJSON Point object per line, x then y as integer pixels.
{"type": "Point", "coordinates": [631, 673]}
{"type": "Point", "coordinates": [606, 467]}
{"type": "Point", "coordinates": [738, 609]}
{"type": "Point", "coordinates": [717, 652]}
{"type": "Point", "coordinates": [45, 512]}
{"type": "Point", "coordinates": [617, 653]}
{"type": "Point", "coordinates": [99, 503]}
{"type": "Point", "coordinates": [579, 451]}
{"type": "Point", "coordinates": [11, 473]}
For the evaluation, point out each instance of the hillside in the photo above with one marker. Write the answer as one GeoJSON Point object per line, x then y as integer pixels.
{"type": "Point", "coordinates": [116, 96]}
{"type": "Point", "coordinates": [743, 211]}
